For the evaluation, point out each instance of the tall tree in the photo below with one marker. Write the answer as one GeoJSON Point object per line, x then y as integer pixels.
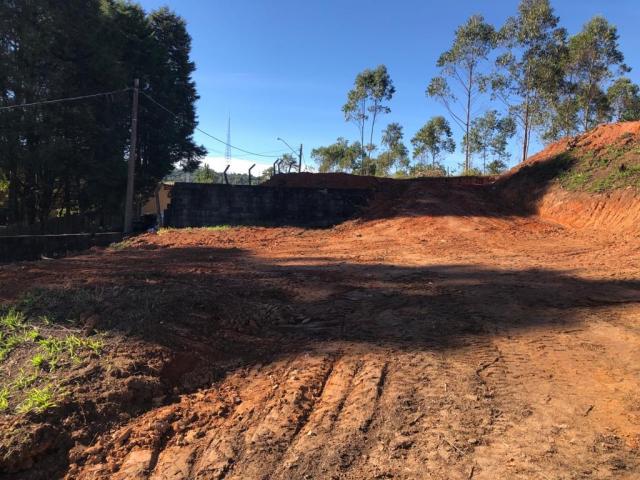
{"type": "Point", "coordinates": [68, 157]}
{"type": "Point", "coordinates": [594, 60]}
{"type": "Point", "coordinates": [432, 140]}
{"type": "Point", "coordinates": [530, 71]}
{"type": "Point", "coordinates": [489, 137]}
{"type": "Point", "coordinates": [461, 63]}
{"type": "Point", "coordinates": [365, 101]}
{"type": "Point", "coordinates": [623, 97]}
{"type": "Point", "coordinates": [338, 157]}
{"type": "Point", "coordinates": [395, 154]}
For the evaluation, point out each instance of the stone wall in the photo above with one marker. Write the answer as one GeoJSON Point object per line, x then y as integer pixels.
{"type": "Point", "coordinates": [200, 205]}
{"type": "Point", "coordinates": [33, 247]}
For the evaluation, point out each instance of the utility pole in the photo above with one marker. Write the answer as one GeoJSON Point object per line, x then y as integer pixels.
{"type": "Point", "coordinates": [128, 204]}
{"type": "Point", "coordinates": [300, 160]}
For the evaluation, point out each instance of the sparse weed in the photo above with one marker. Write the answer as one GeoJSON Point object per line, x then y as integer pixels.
{"type": "Point", "coordinates": [25, 380]}
{"type": "Point", "coordinates": [48, 352]}
{"type": "Point", "coordinates": [8, 342]}
{"type": "Point", "coordinates": [71, 344]}
{"type": "Point", "coordinates": [31, 335]}
{"type": "Point", "coordinates": [126, 243]}
{"type": "Point", "coordinates": [38, 400]}
{"type": "Point", "coordinates": [212, 228]}
{"type": "Point", "coordinates": [12, 320]}
{"type": "Point", "coordinates": [4, 399]}
{"type": "Point", "coordinates": [39, 361]}
{"type": "Point", "coordinates": [52, 346]}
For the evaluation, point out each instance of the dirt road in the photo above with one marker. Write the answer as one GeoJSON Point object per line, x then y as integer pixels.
{"type": "Point", "coordinates": [444, 346]}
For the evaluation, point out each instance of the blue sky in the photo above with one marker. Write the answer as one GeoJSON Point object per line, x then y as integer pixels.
{"type": "Point", "coordinates": [282, 68]}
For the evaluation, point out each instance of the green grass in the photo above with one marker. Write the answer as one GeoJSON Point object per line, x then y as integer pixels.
{"type": "Point", "coordinates": [25, 380]}
{"type": "Point", "coordinates": [8, 343]}
{"type": "Point", "coordinates": [39, 361]}
{"type": "Point", "coordinates": [616, 166]}
{"type": "Point", "coordinates": [574, 180]}
{"type": "Point", "coordinates": [74, 345]}
{"type": "Point", "coordinates": [4, 399]}
{"type": "Point", "coordinates": [14, 331]}
{"type": "Point", "coordinates": [38, 400]}
{"type": "Point", "coordinates": [29, 325]}
{"type": "Point", "coordinates": [213, 228]}
{"type": "Point", "coordinates": [12, 320]}
{"type": "Point", "coordinates": [121, 245]}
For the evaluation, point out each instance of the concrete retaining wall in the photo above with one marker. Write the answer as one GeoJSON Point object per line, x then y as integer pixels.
{"type": "Point", "coordinates": [32, 247]}
{"type": "Point", "coordinates": [200, 205]}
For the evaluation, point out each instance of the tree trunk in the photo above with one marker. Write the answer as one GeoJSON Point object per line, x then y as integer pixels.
{"type": "Point", "coordinates": [467, 153]}
{"type": "Point", "coordinates": [373, 121]}
{"type": "Point", "coordinates": [527, 127]}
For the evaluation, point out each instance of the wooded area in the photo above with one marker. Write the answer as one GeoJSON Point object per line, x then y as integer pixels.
{"type": "Point", "coordinates": [69, 158]}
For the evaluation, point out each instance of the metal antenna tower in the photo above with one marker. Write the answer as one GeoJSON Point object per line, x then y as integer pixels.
{"type": "Point", "coordinates": [227, 152]}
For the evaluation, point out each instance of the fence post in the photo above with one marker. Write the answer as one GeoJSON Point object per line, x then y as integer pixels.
{"type": "Point", "coordinates": [226, 180]}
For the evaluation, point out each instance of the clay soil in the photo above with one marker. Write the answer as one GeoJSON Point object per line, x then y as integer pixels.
{"type": "Point", "coordinates": [443, 338]}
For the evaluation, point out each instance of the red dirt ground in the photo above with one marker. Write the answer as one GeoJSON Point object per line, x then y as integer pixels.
{"type": "Point", "coordinates": [444, 335]}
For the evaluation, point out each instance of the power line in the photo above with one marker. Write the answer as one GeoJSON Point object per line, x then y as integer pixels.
{"type": "Point", "coordinates": [113, 92]}
{"type": "Point", "coordinates": [207, 133]}
{"type": "Point", "coordinates": [60, 100]}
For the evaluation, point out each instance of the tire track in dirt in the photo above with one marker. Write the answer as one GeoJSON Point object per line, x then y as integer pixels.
{"type": "Point", "coordinates": [249, 418]}
{"type": "Point", "coordinates": [549, 424]}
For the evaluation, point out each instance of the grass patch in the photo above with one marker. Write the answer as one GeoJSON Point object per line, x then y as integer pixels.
{"type": "Point", "coordinates": [25, 380]}
{"type": "Point", "coordinates": [72, 345]}
{"type": "Point", "coordinates": [122, 245]}
{"type": "Point", "coordinates": [614, 167]}
{"type": "Point", "coordinates": [12, 320]}
{"type": "Point", "coordinates": [14, 332]}
{"type": "Point", "coordinates": [39, 399]}
{"type": "Point", "coordinates": [213, 228]}
{"type": "Point", "coordinates": [39, 361]}
{"type": "Point", "coordinates": [574, 180]}
{"type": "Point", "coordinates": [4, 399]}
{"type": "Point", "coordinates": [48, 348]}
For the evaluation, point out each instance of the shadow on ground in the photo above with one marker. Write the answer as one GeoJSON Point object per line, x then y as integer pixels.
{"type": "Point", "coordinates": [179, 319]}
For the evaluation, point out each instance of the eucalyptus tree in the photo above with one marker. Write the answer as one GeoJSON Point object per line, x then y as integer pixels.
{"type": "Point", "coordinates": [489, 137]}
{"type": "Point", "coordinates": [338, 157]}
{"type": "Point", "coordinates": [594, 61]}
{"type": "Point", "coordinates": [461, 67]}
{"type": "Point", "coordinates": [395, 154]}
{"type": "Point", "coordinates": [432, 140]}
{"type": "Point", "coordinates": [529, 73]}
{"type": "Point", "coordinates": [365, 102]}
{"type": "Point", "coordinates": [624, 100]}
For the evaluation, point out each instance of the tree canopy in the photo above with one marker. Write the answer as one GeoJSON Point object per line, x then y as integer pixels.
{"type": "Point", "coordinates": [433, 139]}
{"type": "Point", "coordinates": [69, 158]}
{"type": "Point", "coordinates": [365, 101]}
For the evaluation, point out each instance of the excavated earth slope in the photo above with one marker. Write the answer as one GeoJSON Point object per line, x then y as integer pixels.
{"type": "Point", "coordinates": [454, 332]}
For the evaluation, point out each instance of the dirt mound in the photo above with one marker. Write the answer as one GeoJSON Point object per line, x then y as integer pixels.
{"type": "Point", "coordinates": [594, 141]}
{"type": "Point", "coordinates": [588, 181]}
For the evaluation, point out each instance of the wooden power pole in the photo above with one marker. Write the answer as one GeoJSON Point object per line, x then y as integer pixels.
{"type": "Point", "coordinates": [128, 204]}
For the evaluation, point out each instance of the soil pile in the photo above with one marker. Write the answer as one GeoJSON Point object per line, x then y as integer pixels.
{"type": "Point", "coordinates": [588, 181]}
